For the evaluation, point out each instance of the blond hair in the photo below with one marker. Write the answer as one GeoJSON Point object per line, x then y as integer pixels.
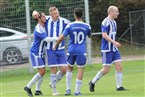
{"type": "Point", "coordinates": [111, 8]}
{"type": "Point", "coordinates": [52, 9]}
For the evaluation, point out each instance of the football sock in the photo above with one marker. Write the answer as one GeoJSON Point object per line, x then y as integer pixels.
{"type": "Point", "coordinates": [68, 79]}
{"type": "Point", "coordinates": [118, 79]}
{"type": "Point", "coordinates": [38, 84]}
{"type": "Point", "coordinates": [78, 85]}
{"type": "Point", "coordinates": [33, 80]}
{"type": "Point", "coordinates": [59, 76]}
{"type": "Point", "coordinates": [53, 82]}
{"type": "Point", "coordinates": [97, 77]}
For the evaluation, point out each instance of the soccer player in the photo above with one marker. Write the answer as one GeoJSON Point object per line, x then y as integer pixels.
{"type": "Point", "coordinates": [54, 27]}
{"type": "Point", "coordinates": [109, 50]}
{"type": "Point", "coordinates": [77, 31]}
{"type": "Point", "coordinates": [37, 52]}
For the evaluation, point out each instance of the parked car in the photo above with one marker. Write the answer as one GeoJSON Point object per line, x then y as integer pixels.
{"type": "Point", "coordinates": [13, 45]}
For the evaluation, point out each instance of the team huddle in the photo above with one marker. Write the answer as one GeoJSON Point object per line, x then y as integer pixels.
{"type": "Point", "coordinates": [49, 36]}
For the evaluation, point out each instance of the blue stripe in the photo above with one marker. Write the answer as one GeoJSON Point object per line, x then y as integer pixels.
{"type": "Point", "coordinates": [51, 33]}
{"type": "Point", "coordinates": [46, 25]}
{"type": "Point", "coordinates": [113, 26]}
{"type": "Point", "coordinates": [57, 28]}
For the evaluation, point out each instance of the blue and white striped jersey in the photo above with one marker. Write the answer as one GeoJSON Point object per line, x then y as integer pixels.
{"type": "Point", "coordinates": [39, 43]}
{"type": "Point", "coordinates": [77, 31]}
{"type": "Point", "coordinates": [110, 27]}
{"type": "Point", "coordinates": [55, 29]}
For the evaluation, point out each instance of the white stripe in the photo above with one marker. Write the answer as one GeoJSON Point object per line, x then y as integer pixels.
{"type": "Point", "coordinates": [48, 43]}
{"type": "Point", "coordinates": [105, 50]}
{"type": "Point", "coordinates": [117, 60]}
{"type": "Point", "coordinates": [36, 59]}
{"type": "Point", "coordinates": [106, 64]}
{"type": "Point", "coordinates": [40, 48]}
{"type": "Point", "coordinates": [104, 57]}
{"type": "Point", "coordinates": [56, 65]}
{"type": "Point", "coordinates": [110, 33]}
{"type": "Point", "coordinates": [39, 66]}
{"type": "Point", "coordinates": [60, 32]}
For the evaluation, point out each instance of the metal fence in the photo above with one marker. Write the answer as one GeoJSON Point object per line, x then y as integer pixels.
{"type": "Point", "coordinates": [14, 16]}
{"type": "Point", "coordinates": [136, 29]}
{"type": "Point", "coordinates": [17, 16]}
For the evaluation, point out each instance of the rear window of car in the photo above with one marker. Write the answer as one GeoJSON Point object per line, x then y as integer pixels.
{"type": "Point", "coordinates": [5, 33]}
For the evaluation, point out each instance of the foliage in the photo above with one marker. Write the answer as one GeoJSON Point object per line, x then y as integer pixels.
{"type": "Point", "coordinates": [15, 11]}
{"type": "Point", "coordinates": [98, 11]}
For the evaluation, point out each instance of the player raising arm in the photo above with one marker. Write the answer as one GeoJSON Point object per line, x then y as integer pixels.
{"type": "Point", "coordinates": [37, 52]}
{"type": "Point", "coordinates": [78, 32]}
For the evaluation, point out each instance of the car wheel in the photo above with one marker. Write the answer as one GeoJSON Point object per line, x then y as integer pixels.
{"type": "Point", "coordinates": [12, 55]}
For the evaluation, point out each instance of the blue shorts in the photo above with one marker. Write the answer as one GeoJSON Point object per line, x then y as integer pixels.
{"type": "Point", "coordinates": [37, 62]}
{"type": "Point", "coordinates": [79, 59]}
{"type": "Point", "coordinates": [108, 58]}
{"type": "Point", "coordinates": [56, 58]}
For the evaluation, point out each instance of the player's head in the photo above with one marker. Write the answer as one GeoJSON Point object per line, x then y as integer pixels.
{"type": "Point", "coordinates": [39, 16]}
{"type": "Point", "coordinates": [113, 12]}
{"type": "Point", "coordinates": [78, 13]}
{"type": "Point", "coordinates": [54, 13]}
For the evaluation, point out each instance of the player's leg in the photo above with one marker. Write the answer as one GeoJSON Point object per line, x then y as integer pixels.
{"type": "Point", "coordinates": [39, 82]}
{"type": "Point", "coordinates": [53, 80]}
{"type": "Point", "coordinates": [37, 63]}
{"type": "Point", "coordinates": [81, 61]}
{"type": "Point", "coordinates": [118, 74]}
{"type": "Point", "coordinates": [38, 87]}
{"type": "Point", "coordinates": [53, 64]}
{"type": "Point", "coordinates": [71, 61]}
{"type": "Point", "coordinates": [62, 63]}
{"type": "Point", "coordinates": [106, 62]}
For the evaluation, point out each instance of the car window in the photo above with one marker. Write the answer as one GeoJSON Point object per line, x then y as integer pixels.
{"type": "Point", "coordinates": [5, 33]}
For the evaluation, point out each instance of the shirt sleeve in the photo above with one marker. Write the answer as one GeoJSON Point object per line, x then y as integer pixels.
{"type": "Point", "coordinates": [66, 31]}
{"type": "Point", "coordinates": [105, 26]}
{"type": "Point", "coordinates": [66, 21]}
{"type": "Point", "coordinates": [89, 31]}
{"type": "Point", "coordinates": [42, 35]}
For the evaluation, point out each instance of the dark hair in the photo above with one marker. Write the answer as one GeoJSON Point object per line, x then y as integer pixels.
{"type": "Point", "coordinates": [78, 12]}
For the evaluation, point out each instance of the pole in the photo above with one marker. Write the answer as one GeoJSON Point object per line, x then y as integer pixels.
{"type": "Point", "coordinates": [144, 24]}
{"type": "Point", "coordinates": [87, 18]}
{"type": "Point", "coordinates": [28, 31]}
{"type": "Point", "coordinates": [130, 25]}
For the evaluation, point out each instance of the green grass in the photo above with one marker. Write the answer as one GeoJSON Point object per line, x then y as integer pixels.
{"type": "Point", "coordinates": [125, 49]}
{"type": "Point", "coordinates": [13, 82]}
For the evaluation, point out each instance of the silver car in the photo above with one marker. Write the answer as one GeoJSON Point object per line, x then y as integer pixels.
{"type": "Point", "coordinates": [13, 46]}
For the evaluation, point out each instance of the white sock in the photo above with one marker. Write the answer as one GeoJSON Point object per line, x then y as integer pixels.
{"type": "Point", "coordinates": [38, 84]}
{"type": "Point", "coordinates": [59, 76]}
{"type": "Point", "coordinates": [118, 79]}
{"type": "Point", "coordinates": [34, 80]}
{"type": "Point", "coordinates": [53, 82]}
{"type": "Point", "coordinates": [97, 77]}
{"type": "Point", "coordinates": [78, 85]}
{"type": "Point", "coordinates": [68, 79]}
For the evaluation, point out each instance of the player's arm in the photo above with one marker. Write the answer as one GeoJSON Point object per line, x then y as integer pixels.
{"type": "Point", "coordinates": [61, 37]}
{"type": "Point", "coordinates": [50, 39]}
{"type": "Point", "coordinates": [89, 32]}
{"type": "Point", "coordinates": [105, 36]}
{"type": "Point", "coordinates": [44, 37]}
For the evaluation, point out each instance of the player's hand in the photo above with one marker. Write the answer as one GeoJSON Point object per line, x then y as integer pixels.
{"type": "Point", "coordinates": [54, 47]}
{"type": "Point", "coordinates": [35, 14]}
{"type": "Point", "coordinates": [117, 44]}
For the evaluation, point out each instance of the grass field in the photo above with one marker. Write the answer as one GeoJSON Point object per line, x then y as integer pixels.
{"type": "Point", "coordinates": [13, 82]}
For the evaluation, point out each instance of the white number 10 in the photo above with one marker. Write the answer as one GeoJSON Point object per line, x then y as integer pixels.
{"type": "Point", "coordinates": [79, 37]}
